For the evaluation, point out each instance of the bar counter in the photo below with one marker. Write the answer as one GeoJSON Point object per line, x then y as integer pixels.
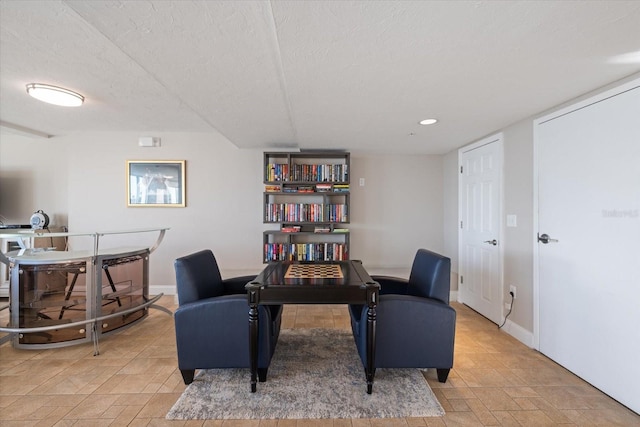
{"type": "Point", "coordinates": [59, 298]}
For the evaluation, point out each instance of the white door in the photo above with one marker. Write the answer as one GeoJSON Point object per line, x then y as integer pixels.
{"type": "Point", "coordinates": [480, 226]}
{"type": "Point", "coordinates": [588, 281]}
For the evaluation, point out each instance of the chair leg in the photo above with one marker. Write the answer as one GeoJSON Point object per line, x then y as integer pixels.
{"type": "Point", "coordinates": [262, 374]}
{"type": "Point", "coordinates": [442, 375]}
{"type": "Point", "coordinates": [187, 375]}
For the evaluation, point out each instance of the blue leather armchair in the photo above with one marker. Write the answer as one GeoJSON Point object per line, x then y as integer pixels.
{"type": "Point", "coordinates": [415, 324]}
{"type": "Point", "coordinates": [212, 319]}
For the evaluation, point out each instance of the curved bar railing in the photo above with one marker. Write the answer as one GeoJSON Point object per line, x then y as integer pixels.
{"type": "Point", "coordinates": [4, 259]}
{"type": "Point", "coordinates": [159, 239]}
{"type": "Point", "coordinates": [22, 256]}
{"type": "Point", "coordinates": [22, 237]}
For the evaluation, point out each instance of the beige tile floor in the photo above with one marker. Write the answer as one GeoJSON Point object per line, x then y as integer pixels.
{"type": "Point", "coordinates": [134, 381]}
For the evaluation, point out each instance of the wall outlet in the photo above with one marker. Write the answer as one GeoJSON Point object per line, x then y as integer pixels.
{"type": "Point", "coordinates": [512, 289]}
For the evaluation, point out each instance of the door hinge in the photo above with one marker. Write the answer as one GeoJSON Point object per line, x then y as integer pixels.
{"type": "Point", "coordinates": [461, 167]}
{"type": "Point", "coordinates": [461, 280]}
{"type": "Point", "coordinates": [461, 224]}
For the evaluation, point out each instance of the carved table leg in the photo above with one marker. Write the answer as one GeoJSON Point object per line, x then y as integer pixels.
{"type": "Point", "coordinates": [253, 345]}
{"type": "Point", "coordinates": [370, 369]}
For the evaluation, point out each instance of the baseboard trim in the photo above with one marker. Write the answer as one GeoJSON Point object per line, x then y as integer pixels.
{"type": "Point", "coordinates": [453, 295]}
{"type": "Point", "coordinates": [519, 333]}
{"type": "Point", "coordinates": [162, 289]}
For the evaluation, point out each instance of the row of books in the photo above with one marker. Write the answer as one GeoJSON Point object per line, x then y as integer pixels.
{"type": "Point", "coordinates": [318, 188]}
{"type": "Point", "coordinates": [299, 189]}
{"type": "Point", "coordinates": [286, 228]}
{"type": "Point", "coordinates": [305, 252]}
{"type": "Point", "coordinates": [305, 212]}
{"type": "Point", "coordinates": [312, 173]}
{"type": "Point", "coordinates": [317, 229]}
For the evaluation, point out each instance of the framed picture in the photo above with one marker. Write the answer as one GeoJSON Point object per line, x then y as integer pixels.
{"type": "Point", "coordinates": [156, 183]}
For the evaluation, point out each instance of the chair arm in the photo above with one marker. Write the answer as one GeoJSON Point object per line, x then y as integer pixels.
{"type": "Point", "coordinates": [229, 310]}
{"type": "Point", "coordinates": [392, 285]}
{"type": "Point", "coordinates": [416, 310]}
{"type": "Point", "coordinates": [410, 311]}
{"type": "Point", "coordinates": [214, 311]}
{"type": "Point", "coordinates": [218, 329]}
{"type": "Point", "coordinates": [235, 285]}
{"type": "Point", "coordinates": [408, 328]}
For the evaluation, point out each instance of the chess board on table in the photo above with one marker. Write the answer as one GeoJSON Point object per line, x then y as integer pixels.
{"type": "Point", "coordinates": [314, 271]}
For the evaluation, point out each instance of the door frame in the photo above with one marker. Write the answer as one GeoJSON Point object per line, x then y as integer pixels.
{"type": "Point", "coordinates": [497, 138]}
{"type": "Point", "coordinates": [589, 100]}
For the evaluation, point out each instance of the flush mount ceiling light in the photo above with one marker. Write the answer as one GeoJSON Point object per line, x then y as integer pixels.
{"type": "Point", "coordinates": [55, 95]}
{"type": "Point", "coordinates": [427, 122]}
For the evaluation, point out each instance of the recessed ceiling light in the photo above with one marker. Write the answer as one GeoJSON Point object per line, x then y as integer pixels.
{"type": "Point", "coordinates": [55, 95]}
{"type": "Point", "coordinates": [428, 121]}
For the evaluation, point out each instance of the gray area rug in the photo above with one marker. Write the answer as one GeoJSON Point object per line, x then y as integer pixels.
{"type": "Point", "coordinates": [314, 373]}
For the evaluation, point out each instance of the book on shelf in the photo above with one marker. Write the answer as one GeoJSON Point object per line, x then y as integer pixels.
{"type": "Point", "coordinates": [277, 172]}
{"type": "Point", "coordinates": [323, 187]}
{"type": "Point", "coordinates": [321, 230]}
{"type": "Point", "coordinates": [271, 188]}
{"type": "Point", "coordinates": [340, 230]}
{"type": "Point", "coordinates": [290, 229]}
{"type": "Point", "coordinates": [341, 188]}
{"type": "Point", "coordinates": [298, 189]}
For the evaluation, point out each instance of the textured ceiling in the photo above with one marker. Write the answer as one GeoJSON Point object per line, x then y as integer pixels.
{"type": "Point", "coordinates": [354, 75]}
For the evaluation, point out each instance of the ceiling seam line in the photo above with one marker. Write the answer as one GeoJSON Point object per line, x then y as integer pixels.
{"type": "Point", "coordinates": [149, 73]}
{"type": "Point", "coordinates": [281, 73]}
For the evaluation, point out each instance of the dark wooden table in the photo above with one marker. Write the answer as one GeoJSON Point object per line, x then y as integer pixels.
{"type": "Point", "coordinates": [354, 287]}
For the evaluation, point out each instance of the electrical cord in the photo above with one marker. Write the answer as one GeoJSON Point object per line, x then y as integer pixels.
{"type": "Point", "coordinates": [510, 308]}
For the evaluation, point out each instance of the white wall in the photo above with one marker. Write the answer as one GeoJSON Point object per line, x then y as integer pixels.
{"type": "Point", "coordinates": [223, 197]}
{"type": "Point", "coordinates": [518, 200]}
{"type": "Point", "coordinates": [397, 211]}
{"type": "Point", "coordinates": [450, 211]}
{"type": "Point", "coordinates": [33, 176]}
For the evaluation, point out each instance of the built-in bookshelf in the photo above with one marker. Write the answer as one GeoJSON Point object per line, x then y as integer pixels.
{"type": "Point", "coordinates": [307, 197]}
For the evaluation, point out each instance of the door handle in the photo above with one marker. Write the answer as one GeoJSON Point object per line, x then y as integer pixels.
{"type": "Point", "coordinates": [544, 238]}
{"type": "Point", "coordinates": [493, 242]}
